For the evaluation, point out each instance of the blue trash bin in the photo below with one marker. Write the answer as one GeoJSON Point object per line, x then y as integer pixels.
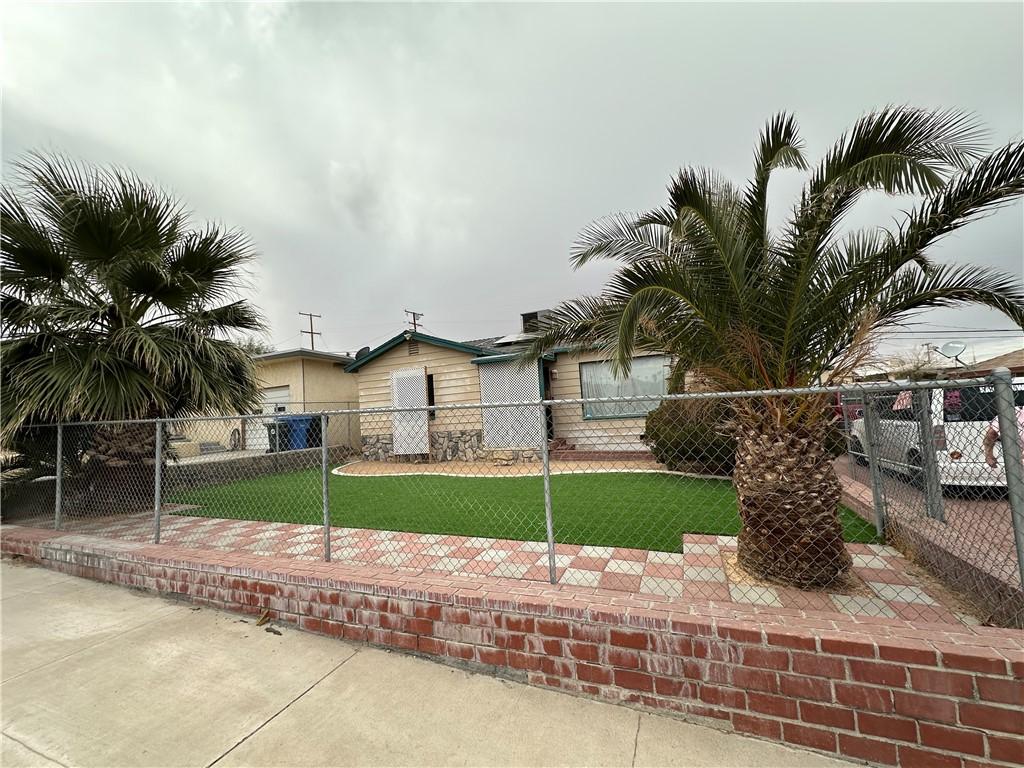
{"type": "Point", "coordinates": [296, 436]}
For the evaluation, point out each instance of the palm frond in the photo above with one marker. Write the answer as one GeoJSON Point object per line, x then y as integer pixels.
{"type": "Point", "coordinates": [623, 237]}
{"type": "Point", "coordinates": [780, 147]}
{"type": "Point", "coordinates": [114, 305]}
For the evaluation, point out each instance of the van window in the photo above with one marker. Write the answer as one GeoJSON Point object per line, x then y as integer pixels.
{"type": "Point", "coordinates": [887, 412]}
{"type": "Point", "coordinates": [974, 403]}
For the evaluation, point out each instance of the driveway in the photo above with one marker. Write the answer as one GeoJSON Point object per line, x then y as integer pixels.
{"type": "Point", "coordinates": [97, 675]}
{"type": "Point", "coordinates": [977, 527]}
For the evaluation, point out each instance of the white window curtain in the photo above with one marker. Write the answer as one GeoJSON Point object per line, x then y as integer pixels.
{"type": "Point", "coordinates": [647, 377]}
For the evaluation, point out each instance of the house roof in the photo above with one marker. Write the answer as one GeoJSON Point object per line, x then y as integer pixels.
{"type": "Point", "coordinates": [1013, 360]}
{"type": "Point", "coordinates": [404, 336]}
{"type": "Point", "coordinates": [309, 354]}
{"type": "Point", "coordinates": [488, 344]}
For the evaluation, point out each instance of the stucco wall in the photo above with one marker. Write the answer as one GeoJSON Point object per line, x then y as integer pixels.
{"type": "Point", "coordinates": [613, 434]}
{"type": "Point", "coordinates": [319, 384]}
{"type": "Point", "coordinates": [314, 385]}
{"type": "Point", "coordinates": [456, 380]}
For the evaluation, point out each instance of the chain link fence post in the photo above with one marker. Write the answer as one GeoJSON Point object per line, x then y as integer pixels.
{"type": "Point", "coordinates": [158, 468]}
{"type": "Point", "coordinates": [546, 465]}
{"type": "Point", "coordinates": [58, 490]}
{"type": "Point", "coordinates": [851, 460]}
{"type": "Point", "coordinates": [929, 468]}
{"type": "Point", "coordinates": [325, 489]}
{"type": "Point", "coordinates": [1009, 439]}
{"type": "Point", "coordinates": [872, 431]}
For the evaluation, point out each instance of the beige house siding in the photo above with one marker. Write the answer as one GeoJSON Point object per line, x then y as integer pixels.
{"type": "Point", "coordinates": [313, 385]}
{"type": "Point", "coordinates": [316, 385]}
{"type": "Point", "coordinates": [456, 380]}
{"type": "Point", "coordinates": [612, 434]}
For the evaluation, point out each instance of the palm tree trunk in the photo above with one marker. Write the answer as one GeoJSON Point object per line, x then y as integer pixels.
{"type": "Point", "coordinates": [789, 497]}
{"type": "Point", "coordinates": [119, 469]}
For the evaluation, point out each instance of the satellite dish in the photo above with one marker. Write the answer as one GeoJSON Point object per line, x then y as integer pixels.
{"type": "Point", "coordinates": [952, 349]}
{"type": "Point", "coordinates": [362, 353]}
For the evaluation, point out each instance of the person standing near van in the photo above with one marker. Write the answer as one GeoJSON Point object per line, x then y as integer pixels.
{"type": "Point", "coordinates": [992, 436]}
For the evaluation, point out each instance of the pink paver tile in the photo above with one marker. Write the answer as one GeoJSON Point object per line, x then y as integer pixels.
{"type": "Point", "coordinates": [620, 581]}
{"type": "Point", "coordinates": [589, 563]}
{"type": "Point", "coordinates": [699, 538]}
{"type": "Point", "coordinates": [795, 598]}
{"type": "Point", "coordinates": [526, 558]}
{"type": "Point", "coordinates": [506, 544]}
{"type": "Point", "coordinates": [917, 612]}
{"type": "Point", "coordinates": [568, 549]}
{"type": "Point", "coordinates": [706, 590]}
{"type": "Point", "coordinates": [638, 555]}
{"type": "Point", "coordinates": [413, 546]}
{"type": "Point", "coordinates": [638, 577]}
{"type": "Point", "coordinates": [885, 575]}
{"type": "Point", "coordinates": [540, 573]}
{"type": "Point", "coordinates": [466, 552]}
{"type": "Point", "coordinates": [663, 570]}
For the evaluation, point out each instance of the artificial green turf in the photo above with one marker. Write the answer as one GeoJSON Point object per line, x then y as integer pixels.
{"type": "Point", "coordinates": [641, 510]}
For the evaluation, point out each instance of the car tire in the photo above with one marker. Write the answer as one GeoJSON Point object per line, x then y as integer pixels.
{"type": "Point", "coordinates": [915, 469]}
{"type": "Point", "coordinates": [857, 451]}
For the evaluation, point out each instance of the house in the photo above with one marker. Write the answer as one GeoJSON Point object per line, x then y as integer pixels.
{"type": "Point", "coordinates": [1014, 361]}
{"type": "Point", "coordinates": [415, 370]}
{"type": "Point", "coordinates": [292, 381]}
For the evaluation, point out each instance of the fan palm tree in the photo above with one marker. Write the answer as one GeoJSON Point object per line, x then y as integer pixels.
{"type": "Point", "coordinates": [747, 308]}
{"type": "Point", "coordinates": [115, 307]}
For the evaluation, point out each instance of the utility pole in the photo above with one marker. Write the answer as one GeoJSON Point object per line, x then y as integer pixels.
{"type": "Point", "coordinates": [311, 333]}
{"type": "Point", "coordinates": [415, 322]}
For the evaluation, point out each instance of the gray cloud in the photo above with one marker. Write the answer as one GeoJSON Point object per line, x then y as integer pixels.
{"type": "Point", "coordinates": [442, 157]}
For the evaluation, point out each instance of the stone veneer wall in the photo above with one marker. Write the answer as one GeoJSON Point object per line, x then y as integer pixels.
{"type": "Point", "coordinates": [457, 445]}
{"type": "Point", "coordinates": [449, 445]}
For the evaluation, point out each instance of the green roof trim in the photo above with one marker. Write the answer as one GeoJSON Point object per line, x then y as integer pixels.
{"type": "Point", "coordinates": [501, 358]}
{"type": "Point", "coordinates": [394, 341]}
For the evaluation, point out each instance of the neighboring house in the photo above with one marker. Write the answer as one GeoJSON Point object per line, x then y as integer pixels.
{"type": "Point", "coordinates": [1012, 360]}
{"type": "Point", "coordinates": [415, 370]}
{"type": "Point", "coordinates": [293, 381]}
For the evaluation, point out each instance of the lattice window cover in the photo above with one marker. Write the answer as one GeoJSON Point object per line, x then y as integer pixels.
{"type": "Point", "coordinates": [409, 429]}
{"type": "Point", "coordinates": [507, 382]}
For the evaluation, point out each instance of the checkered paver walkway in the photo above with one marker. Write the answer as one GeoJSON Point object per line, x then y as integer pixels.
{"type": "Point", "coordinates": [704, 570]}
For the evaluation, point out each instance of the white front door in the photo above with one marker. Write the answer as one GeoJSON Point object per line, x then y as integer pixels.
{"type": "Point", "coordinates": [517, 427]}
{"type": "Point", "coordinates": [275, 400]}
{"type": "Point", "coordinates": [409, 428]}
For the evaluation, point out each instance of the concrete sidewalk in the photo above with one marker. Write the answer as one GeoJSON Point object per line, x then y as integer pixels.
{"type": "Point", "coordinates": [96, 675]}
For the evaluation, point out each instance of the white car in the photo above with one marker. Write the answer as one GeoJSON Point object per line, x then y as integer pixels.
{"type": "Point", "coordinates": [960, 418]}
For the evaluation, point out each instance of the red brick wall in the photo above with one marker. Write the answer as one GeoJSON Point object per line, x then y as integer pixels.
{"type": "Point", "coordinates": [882, 691]}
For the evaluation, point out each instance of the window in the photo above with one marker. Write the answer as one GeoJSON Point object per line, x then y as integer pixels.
{"type": "Point", "coordinates": [974, 404]}
{"type": "Point", "coordinates": [896, 407]}
{"type": "Point", "coordinates": [430, 396]}
{"type": "Point", "coordinates": [647, 377]}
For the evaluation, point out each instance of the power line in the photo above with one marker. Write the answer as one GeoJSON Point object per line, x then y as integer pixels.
{"type": "Point", "coordinates": [311, 332]}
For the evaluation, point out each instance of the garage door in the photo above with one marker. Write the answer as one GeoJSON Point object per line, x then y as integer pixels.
{"type": "Point", "coordinates": [275, 400]}
{"type": "Point", "coordinates": [506, 382]}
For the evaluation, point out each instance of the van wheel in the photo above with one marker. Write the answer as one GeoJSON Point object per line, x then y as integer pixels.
{"type": "Point", "coordinates": [915, 469]}
{"type": "Point", "coordinates": [857, 451]}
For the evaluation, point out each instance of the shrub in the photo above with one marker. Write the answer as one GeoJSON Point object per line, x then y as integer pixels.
{"type": "Point", "coordinates": [691, 436]}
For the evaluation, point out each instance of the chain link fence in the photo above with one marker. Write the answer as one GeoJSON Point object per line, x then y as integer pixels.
{"type": "Point", "coordinates": [934, 459]}
{"type": "Point", "coordinates": [887, 506]}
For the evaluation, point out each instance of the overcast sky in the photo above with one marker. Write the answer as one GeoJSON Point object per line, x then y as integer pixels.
{"type": "Point", "coordinates": [442, 157]}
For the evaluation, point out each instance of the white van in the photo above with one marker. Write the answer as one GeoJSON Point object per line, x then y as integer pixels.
{"type": "Point", "coordinates": [960, 419]}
